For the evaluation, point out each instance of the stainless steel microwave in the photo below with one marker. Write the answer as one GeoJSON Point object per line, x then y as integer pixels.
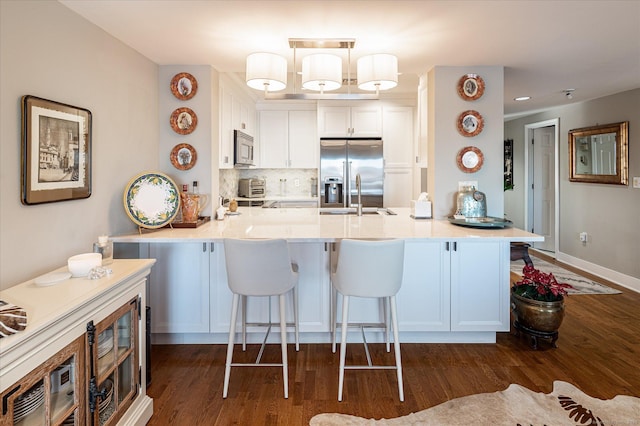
{"type": "Point", "coordinates": [243, 149]}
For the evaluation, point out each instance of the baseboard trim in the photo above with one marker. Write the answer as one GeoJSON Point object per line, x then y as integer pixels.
{"type": "Point", "coordinates": [623, 280]}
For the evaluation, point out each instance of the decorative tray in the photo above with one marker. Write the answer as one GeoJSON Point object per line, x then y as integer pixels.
{"type": "Point", "coordinates": [176, 224]}
{"type": "Point", "coordinates": [482, 222]}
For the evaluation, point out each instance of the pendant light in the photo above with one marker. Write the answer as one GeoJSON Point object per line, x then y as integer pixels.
{"type": "Point", "coordinates": [377, 72]}
{"type": "Point", "coordinates": [266, 71]}
{"type": "Point", "coordinates": [321, 72]}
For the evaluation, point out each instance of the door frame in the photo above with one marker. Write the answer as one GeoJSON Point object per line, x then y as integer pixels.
{"type": "Point", "coordinates": [528, 171]}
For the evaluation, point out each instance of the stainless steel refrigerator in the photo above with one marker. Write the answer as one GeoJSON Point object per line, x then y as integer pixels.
{"type": "Point", "coordinates": [341, 160]}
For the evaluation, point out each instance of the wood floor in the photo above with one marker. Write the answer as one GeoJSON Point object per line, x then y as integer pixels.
{"type": "Point", "coordinates": [598, 351]}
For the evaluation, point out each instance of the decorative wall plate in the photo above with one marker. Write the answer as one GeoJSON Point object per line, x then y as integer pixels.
{"type": "Point", "coordinates": [184, 86]}
{"type": "Point", "coordinates": [470, 159]}
{"type": "Point", "coordinates": [470, 87]}
{"type": "Point", "coordinates": [183, 121]}
{"type": "Point", "coordinates": [151, 200]}
{"type": "Point", "coordinates": [470, 123]}
{"type": "Point", "coordinates": [183, 156]}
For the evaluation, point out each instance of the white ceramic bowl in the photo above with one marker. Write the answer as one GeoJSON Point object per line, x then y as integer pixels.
{"type": "Point", "coordinates": [80, 264]}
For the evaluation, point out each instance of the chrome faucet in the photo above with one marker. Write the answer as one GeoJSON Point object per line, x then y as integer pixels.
{"type": "Point", "coordinates": [359, 188]}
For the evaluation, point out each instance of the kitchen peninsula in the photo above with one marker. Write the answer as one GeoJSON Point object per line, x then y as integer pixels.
{"type": "Point", "coordinates": [455, 287]}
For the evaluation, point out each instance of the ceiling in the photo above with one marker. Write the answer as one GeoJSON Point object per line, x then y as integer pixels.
{"type": "Point", "coordinates": [545, 46]}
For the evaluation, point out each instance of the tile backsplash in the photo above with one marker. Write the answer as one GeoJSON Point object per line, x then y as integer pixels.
{"type": "Point", "coordinates": [279, 182]}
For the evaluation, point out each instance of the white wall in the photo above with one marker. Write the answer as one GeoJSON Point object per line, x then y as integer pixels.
{"type": "Point", "coordinates": [46, 50]}
{"type": "Point", "coordinates": [444, 140]}
{"type": "Point", "coordinates": [608, 213]}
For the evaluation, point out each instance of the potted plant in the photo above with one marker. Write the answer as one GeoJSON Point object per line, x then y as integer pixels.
{"type": "Point", "coordinates": [537, 301]}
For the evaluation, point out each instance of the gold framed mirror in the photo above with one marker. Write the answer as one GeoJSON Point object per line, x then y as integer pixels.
{"type": "Point", "coordinates": [599, 154]}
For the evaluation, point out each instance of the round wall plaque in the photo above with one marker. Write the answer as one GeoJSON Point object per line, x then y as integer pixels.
{"type": "Point", "coordinates": [470, 159]}
{"type": "Point", "coordinates": [183, 121]}
{"type": "Point", "coordinates": [184, 86]}
{"type": "Point", "coordinates": [470, 123]}
{"type": "Point", "coordinates": [183, 156]}
{"type": "Point", "coordinates": [470, 87]}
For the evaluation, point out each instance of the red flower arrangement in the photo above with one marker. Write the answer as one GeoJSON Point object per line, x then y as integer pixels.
{"type": "Point", "coordinates": [537, 285]}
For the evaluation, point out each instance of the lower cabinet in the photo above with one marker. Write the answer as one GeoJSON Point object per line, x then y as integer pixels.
{"type": "Point", "coordinates": [53, 393]}
{"type": "Point", "coordinates": [455, 286]}
{"type": "Point", "coordinates": [179, 287]}
{"type": "Point", "coordinates": [94, 378]}
{"type": "Point", "coordinates": [113, 372]}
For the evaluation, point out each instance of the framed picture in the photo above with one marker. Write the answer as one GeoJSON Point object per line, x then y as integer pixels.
{"type": "Point", "coordinates": [508, 165]}
{"type": "Point", "coordinates": [56, 151]}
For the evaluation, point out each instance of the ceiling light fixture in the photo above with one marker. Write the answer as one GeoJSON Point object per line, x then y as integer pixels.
{"type": "Point", "coordinates": [266, 71]}
{"type": "Point", "coordinates": [522, 98]}
{"type": "Point", "coordinates": [322, 72]}
{"type": "Point", "coordinates": [377, 72]}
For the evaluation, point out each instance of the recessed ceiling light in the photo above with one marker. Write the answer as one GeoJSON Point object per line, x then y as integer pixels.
{"type": "Point", "coordinates": [522, 98]}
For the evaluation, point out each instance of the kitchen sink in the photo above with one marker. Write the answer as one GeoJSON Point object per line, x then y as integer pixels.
{"type": "Point", "coordinates": [354, 211]}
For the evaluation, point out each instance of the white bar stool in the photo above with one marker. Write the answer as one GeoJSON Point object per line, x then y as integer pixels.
{"type": "Point", "coordinates": [260, 268]}
{"type": "Point", "coordinates": [371, 269]}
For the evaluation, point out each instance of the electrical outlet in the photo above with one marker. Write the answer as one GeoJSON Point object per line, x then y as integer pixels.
{"type": "Point", "coordinates": [296, 182]}
{"type": "Point", "coordinates": [636, 182]}
{"type": "Point", "coordinates": [583, 237]}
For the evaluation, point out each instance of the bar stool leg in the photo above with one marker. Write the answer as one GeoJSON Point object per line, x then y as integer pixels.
{"type": "Point", "coordinates": [295, 316]}
{"type": "Point", "coordinates": [283, 345]}
{"type": "Point", "coordinates": [343, 343]}
{"type": "Point", "coordinates": [334, 301]}
{"type": "Point", "coordinates": [244, 323]}
{"type": "Point", "coordinates": [396, 347]}
{"type": "Point", "coordinates": [385, 312]}
{"type": "Point", "coordinates": [232, 332]}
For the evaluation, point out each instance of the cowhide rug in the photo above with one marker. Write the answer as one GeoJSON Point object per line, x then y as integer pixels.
{"type": "Point", "coordinates": [516, 405]}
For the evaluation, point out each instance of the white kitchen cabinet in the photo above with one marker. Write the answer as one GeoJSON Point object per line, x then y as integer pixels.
{"type": "Point", "coordinates": [398, 135]}
{"type": "Point", "coordinates": [398, 184]}
{"type": "Point", "coordinates": [350, 121]}
{"type": "Point", "coordinates": [179, 287]}
{"type": "Point", "coordinates": [480, 286]}
{"type": "Point", "coordinates": [455, 286]}
{"type": "Point", "coordinates": [313, 293]}
{"type": "Point", "coordinates": [424, 298]}
{"type": "Point", "coordinates": [288, 139]}
{"type": "Point", "coordinates": [237, 112]}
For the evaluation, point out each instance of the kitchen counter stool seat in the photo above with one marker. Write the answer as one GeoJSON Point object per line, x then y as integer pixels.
{"type": "Point", "coordinates": [260, 268]}
{"type": "Point", "coordinates": [370, 269]}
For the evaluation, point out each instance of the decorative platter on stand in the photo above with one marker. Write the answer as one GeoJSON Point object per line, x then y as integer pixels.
{"type": "Point", "coordinates": [183, 121]}
{"type": "Point", "coordinates": [470, 123]}
{"type": "Point", "coordinates": [470, 159]}
{"type": "Point", "coordinates": [151, 200]}
{"type": "Point", "coordinates": [183, 156]}
{"type": "Point", "coordinates": [470, 87]}
{"type": "Point", "coordinates": [184, 86]}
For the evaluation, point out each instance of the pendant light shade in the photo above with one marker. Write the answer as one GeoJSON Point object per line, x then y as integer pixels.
{"type": "Point", "coordinates": [321, 72]}
{"type": "Point", "coordinates": [266, 71]}
{"type": "Point", "coordinates": [377, 72]}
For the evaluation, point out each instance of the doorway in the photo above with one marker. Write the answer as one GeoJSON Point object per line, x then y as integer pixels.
{"type": "Point", "coordinates": [542, 183]}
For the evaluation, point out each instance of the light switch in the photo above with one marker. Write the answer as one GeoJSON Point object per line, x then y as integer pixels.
{"type": "Point", "coordinates": [636, 182]}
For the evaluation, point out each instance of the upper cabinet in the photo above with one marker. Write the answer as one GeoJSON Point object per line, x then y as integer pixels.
{"type": "Point", "coordinates": [397, 134]}
{"type": "Point", "coordinates": [288, 138]}
{"type": "Point", "coordinates": [237, 112]}
{"type": "Point", "coordinates": [350, 121]}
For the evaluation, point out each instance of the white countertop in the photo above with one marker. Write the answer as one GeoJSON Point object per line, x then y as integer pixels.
{"type": "Point", "coordinates": [307, 225]}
